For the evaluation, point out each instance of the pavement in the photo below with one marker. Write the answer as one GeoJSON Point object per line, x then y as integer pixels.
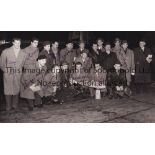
{"type": "Point", "coordinates": [139, 108]}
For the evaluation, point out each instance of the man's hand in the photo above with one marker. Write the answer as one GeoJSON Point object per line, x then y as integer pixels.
{"type": "Point", "coordinates": [148, 59]}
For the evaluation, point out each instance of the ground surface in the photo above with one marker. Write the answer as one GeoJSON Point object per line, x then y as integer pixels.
{"type": "Point", "coordinates": [138, 108]}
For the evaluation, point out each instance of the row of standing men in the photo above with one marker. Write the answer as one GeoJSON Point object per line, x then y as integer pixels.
{"type": "Point", "coordinates": [23, 69]}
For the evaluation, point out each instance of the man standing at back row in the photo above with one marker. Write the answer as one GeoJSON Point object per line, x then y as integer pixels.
{"type": "Point", "coordinates": [11, 62]}
{"type": "Point", "coordinates": [68, 55]}
{"type": "Point", "coordinates": [143, 59]}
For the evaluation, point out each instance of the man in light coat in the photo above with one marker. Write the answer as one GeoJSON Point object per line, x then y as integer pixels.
{"type": "Point", "coordinates": [126, 58]}
{"type": "Point", "coordinates": [11, 62]}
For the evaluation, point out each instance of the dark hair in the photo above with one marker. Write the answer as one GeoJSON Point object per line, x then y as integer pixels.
{"type": "Point", "coordinates": [16, 38]}
{"type": "Point", "coordinates": [41, 57]}
{"type": "Point", "coordinates": [78, 63]}
{"type": "Point", "coordinates": [81, 42]}
{"type": "Point", "coordinates": [34, 39]}
{"type": "Point", "coordinates": [53, 42]}
{"type": "Point", "coordinates": [100, 39]}
{"type": "Point", "coordinates": [94, 43]}
{"type": "Point", "coordinates": [107, 43]}
{"type": "Point", "coordinates": [46, 43]}
{"type": "Point", "coordinates": [64, 63]}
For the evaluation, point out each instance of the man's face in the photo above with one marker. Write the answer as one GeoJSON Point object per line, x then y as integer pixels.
{"type": "Point", "coordinates": [108, 47]}
{"type": "Point", "coordinates": [35, 43]}
{"type": "Point", "coordinates": [142, 44]}
{"type": "Point", "coordinates": [94, 47]}
{"type": "Point", "coordinates": [117, 43]}
{"type": "Point", "coordinates": [99, 42]}
{"type": "Point", "coordinates": [69, 46]}
{"type": "Point", "coordinates": [97, 66]}
{"type": "Point", "coordinates": [47, 47]}
{"type": "Point", "coordinates": [82, 45]}
{"type": "Point", "coordinates": [84, 55]}
{"type": "Point", "coordinates": [78, 67]}
{"type": "Point", "coordinates": [17, 44]}
{"type": "Point", "coordinates": [125, 45]}
{"type": "Point", "coordinates": [55, 45]}
{"type": "Point", "coordinates": [65, 67]}
{"type": "Point", "coordinates": [117, 66]}
{"type": "Point", "coordinates": [42, 62]}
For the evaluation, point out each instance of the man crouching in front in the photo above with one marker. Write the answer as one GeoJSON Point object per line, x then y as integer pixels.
{"type": "Point", "coordinates": [32, 83]}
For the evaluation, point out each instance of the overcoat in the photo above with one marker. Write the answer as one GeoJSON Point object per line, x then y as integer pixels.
{"type": "Point", "coordinates": [126, 58]}
{"type": "Point", "coordinates": [33, 76]}
{"type": "Point", "coordinates": [31, 56]}
{"type": "Point", "coordinates": [50, 81]}
{"type": "Point", "coordinates": [12, 67]}
{"type": "Point", "coordinates": [143, 69]}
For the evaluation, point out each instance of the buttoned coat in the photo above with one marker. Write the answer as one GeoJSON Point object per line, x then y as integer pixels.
{"type": "Point", "coordinates": [12, 70]}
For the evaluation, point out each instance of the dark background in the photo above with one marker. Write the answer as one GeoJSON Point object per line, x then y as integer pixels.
{"type": "Point", "coordinates": [63, 36]}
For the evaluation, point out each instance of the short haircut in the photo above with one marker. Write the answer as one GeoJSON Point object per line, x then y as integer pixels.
{"type": "Point", "coordinates": [53, 42]}
{"type": "Point", "coordinates": [34, 39]}
{"type": "Point", "coordinates": [16, 38]}
{"type": "Point", "coordinates": [78, 63]}
{"type": "Point", "coordinates": [46, 43]}
{"type": "Point", "coordinates": [100, 39]}
{"type": "Point", "coordinates": [41, 57]}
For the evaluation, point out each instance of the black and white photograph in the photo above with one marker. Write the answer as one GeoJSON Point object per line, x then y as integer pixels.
{"type": "Point", "coordinates": [77, 77]}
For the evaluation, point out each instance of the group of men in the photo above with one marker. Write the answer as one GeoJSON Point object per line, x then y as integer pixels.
{"type": "Point", "coordinates": [47, 76]}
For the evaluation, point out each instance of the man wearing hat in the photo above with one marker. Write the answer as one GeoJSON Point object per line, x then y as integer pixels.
{"type": "Point", "coordinates": [84, 60]}
{"type": "Point", "coordinates": [143, 59]}
{"type": "Point", "coordinates": [126, 58]}
{"type": "Point", "coordinates": [32, 82]}
{"type": "Point", "coordinates": [11, 62]}
{"type": "Point", "coordinates": [68, 54]}
{"type": "Point", "coordinates": [47, 53]}
{"type": "Point", "coordinates": [81, 49]}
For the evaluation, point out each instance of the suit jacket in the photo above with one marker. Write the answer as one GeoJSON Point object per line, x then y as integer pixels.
{"type": "Point", "coordinates": [96, 57]}
{"type": "Point", "coordinates": [116, 79]}
{"type": "Point", "coordinates": [67, 56]}
{"type": "Point", "coordinates": [55, 59]}
{"type": "Point", "coordinates": [109, 60]}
